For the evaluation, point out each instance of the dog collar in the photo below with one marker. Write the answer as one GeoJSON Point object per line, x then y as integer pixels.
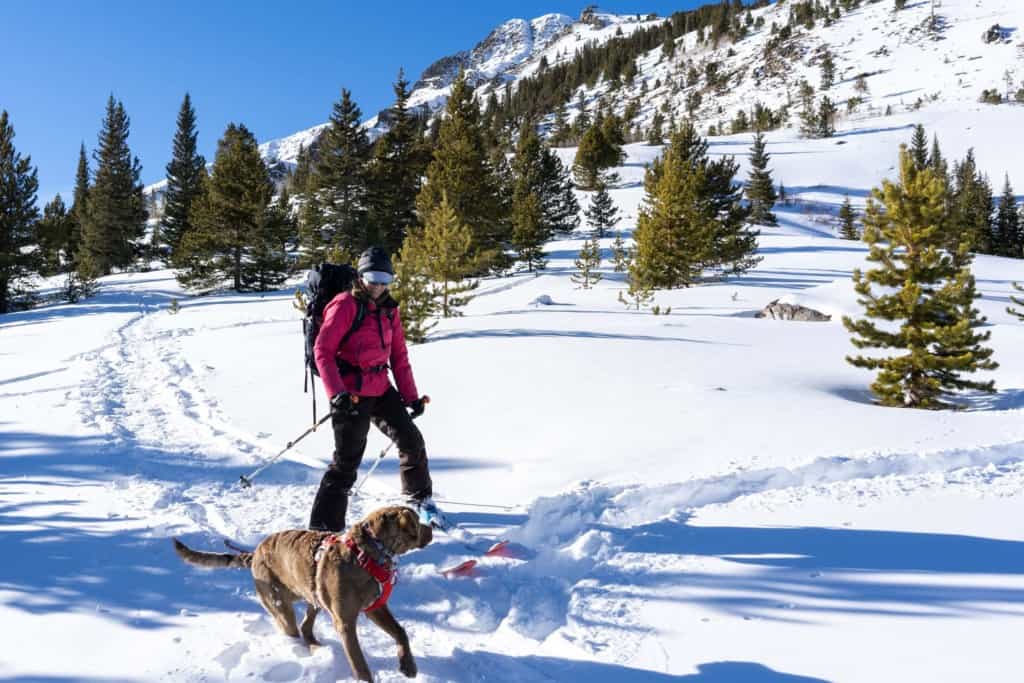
{"type": "Point", "coordinates": [385, 577]}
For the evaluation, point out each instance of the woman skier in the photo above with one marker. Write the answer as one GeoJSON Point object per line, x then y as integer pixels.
{"type": "Point", "coordinates": [354, 375]}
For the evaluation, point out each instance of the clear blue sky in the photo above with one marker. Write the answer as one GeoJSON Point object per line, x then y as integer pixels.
{"type": "Point", "coordinates": [277, 67]}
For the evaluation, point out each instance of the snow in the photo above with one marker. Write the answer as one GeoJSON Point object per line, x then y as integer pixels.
{"type": "Point", "coordinates": [702, 496]}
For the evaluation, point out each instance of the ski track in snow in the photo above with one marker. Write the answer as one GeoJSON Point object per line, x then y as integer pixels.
{"type": "Point", "coordinates": [581, 550]}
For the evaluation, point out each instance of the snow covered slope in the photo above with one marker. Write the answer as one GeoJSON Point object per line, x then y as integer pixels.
{"type": "Point", "coordinates": [703, 496]}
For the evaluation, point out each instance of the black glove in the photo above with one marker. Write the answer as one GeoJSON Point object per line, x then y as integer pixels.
{"type": "Point", "coordinates": [343, 404]}
{"type": "Point", "coordinates": [418, 406]}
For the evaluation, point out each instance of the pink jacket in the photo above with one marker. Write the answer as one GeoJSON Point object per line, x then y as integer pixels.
{"type": "Point", "coordinates": [376, 342]}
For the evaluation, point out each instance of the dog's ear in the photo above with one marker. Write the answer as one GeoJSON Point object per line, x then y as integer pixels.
{"type": "Point", "coordinates": [417, 535]}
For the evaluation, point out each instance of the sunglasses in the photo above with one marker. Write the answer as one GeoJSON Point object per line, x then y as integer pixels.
{"type": "Point", "coordinates": [377, 277]}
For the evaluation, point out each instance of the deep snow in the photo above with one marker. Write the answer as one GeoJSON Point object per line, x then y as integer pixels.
{"type": "Point", "coordinates": [704, 496]}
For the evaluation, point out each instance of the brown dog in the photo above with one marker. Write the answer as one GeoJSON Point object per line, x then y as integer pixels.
{"type": "Point", "coordinates": [322, 570]}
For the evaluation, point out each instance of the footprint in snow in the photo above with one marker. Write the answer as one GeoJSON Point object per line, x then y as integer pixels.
{"type": "Point", "coordinates": [231, 657]}
{"type": "Point", "coordinates": [285, 671]}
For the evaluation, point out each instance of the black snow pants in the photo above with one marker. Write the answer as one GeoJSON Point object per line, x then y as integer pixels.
{"type": "Point", "coordinates": [389, 414]}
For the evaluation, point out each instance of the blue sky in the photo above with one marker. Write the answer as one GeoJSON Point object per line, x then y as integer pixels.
{"type": "Point", "coordinates": [276, 67]}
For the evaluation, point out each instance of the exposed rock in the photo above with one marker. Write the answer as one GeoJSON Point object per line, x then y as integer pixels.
{"type": "Point", "coordinates": [994, 34]}
{"type": "Point", "coordinates": [781, 311]}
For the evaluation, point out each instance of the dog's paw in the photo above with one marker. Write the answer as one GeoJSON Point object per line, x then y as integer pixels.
{"type": "Point", "coordinates": [407, 665]}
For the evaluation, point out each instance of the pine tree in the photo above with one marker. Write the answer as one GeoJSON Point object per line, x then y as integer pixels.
{"type": "Point", "coordinates": [399, 160]}
{"type": "Point", "coordinates": [1007, 230]}
{"type": "Point", "coordinates": [587, 263]}
{"type": "Point", "coordinates": [560, 129]}
{"type": "Point", "coordinates": [557, 194]}
{"type": "Point", "coordinates": [638, 294]}
{"type": "Point", "coordinates": [535, 169]}
{"type": "Point", "coordinates": [588, 163]}
{"type": "Point", "coordinates": [18, 213]}
{"type": "Point", "coordinates": [602, 214]}
{"type": "Point", "coordinates": [599, 149]}
{"type": "Point", "coordinates": [528, 234]}
{"type": "Point", "coordinates": [620, 255]}
{"type": "Point", "coordinates": [919, 147]}
{"type": "Point", "coordinates": [1017, 300]}
{"type": "Point", "coordinates": [655, 134]}
{"type": "Point", "coordinates": [693, 217]}
{"type": "Point", "coordinates": [828, 71]}
{"type": "Point", "coordinates": [267, 263]}
{"type": "Point", "coordinates": [929, 317]}
{"type": "Point", "coordinates": [54, 235]}
{"type": "Point", "coordinates": [447, 258]}
{"type": "Point", "coordinates": [182, 177]}
{"type": "Point", "coordinates": [826, 118]}
{"type": "Point", "coordinates": [414, 291]}
{"type": "Point", "coordinates": [79, 206]}
{"type": "Point", "coordinates": [936, 160]}
{"type": "Point", "coordinates": [341, 178]}
{"type": "Point", "coordinates": [847, 227]}
{"type": "Point", "coordinates": [461, 171]}
{"type": "Point", "coordinates": [300, 179]}
{"type": "Point", "coordinates": [229, 218]}
{"type": "Point", "coordinates": [760, 188]}
{"type": "Point", "coordinates": [971, 215]}
{"type": "Point", "coordinates": [115, 218]}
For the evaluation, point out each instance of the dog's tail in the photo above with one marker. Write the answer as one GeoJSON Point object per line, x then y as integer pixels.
{"type": "Point", "coordinates": [212, 560]}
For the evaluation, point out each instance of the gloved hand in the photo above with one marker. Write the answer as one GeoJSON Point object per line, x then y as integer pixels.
{"type": "Point", "coordinates": [344, 404]}
{"type": "Point", "coordinates": [418, 406]}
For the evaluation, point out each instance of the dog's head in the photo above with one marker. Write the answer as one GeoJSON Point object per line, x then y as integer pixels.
{"type": "Point", "coordinates": [398, 528]}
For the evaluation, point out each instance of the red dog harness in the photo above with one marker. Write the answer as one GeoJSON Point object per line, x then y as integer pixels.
{"type": "Point", "coordinates": [386, 578]}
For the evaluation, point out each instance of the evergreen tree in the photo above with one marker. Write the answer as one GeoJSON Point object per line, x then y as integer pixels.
{"type": "Point", "coordinates": [847, 227]}
{"type": "Point", "coordinates": [300, 181]}
{"type": "Point", "coordinates": [926, 300]}
{"type": "Point", "coordinates": [826, 121]}
{"type": "Point", "coordinates": [587, 263]}
{"type": "Point", "coordinates": [919, 147]}
{"type": "Point", "coordinates": [414, 291]}
{"type": "Point", "coordinates": [1007, 231]}
{"type": "Point", "coordinates": [936, 160]}
{"type": "Point", "coordinates": [267, 265]}
{"type": "Point", "coordinates": [79, 206]}
{"type": "Point", "coordinates": [18, 214]}
{"type": "Point", "coordinates": [537, 170]}
{"type": "Point", "coordinates": [828, 71]}
{"type": "Point", "coordinates": [620, 255]}
{"type": "Point", "coordinates": [599, 149]}
{"type": "Point", "coordinates": [560, 129]}
{"type": "Point", "coordinates": [54, 235]}
{"type": "Point", "coordinates": [557, 194]}
{"type": "Point", "coordinates": [399, 160]}
{"type": "Point", "coordinates": [528, 234]}
{"type": "Point", "coordinates": [461, 171]}
{"type": "Point", "coordinates": [971, 215]}
{"type": "Point", "coordinates": [692, 218]}
{"type": "Point", "coordinates": [1017, 300]}
{"type": "Point", "coordinates": [341, 179]}
{"type": "Point", "coordinates": [602, 214]}
{"type": "Point", "coordinates": [760, 189]}
{"type": "Point", "coordinates": [446, 255]}
{"type": "Point", "coordinates": [230, 230]}
{"type": "Point", "coordinates": [182, 177]}
{"type": "Point", "coordinates": [655, 134]}
{"type": "Point", "coordinates": [115, 219]}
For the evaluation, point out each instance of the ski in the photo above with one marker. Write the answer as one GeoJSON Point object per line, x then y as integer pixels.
{"type": "Point", "coordinates": [467, 568]}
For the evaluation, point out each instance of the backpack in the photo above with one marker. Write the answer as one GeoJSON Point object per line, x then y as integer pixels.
{"type": "Point", "coordinates": [323, 283]}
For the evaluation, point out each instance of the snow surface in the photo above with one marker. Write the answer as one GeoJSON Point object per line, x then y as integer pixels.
{"type": "Point", "coordinates": [704, 496]}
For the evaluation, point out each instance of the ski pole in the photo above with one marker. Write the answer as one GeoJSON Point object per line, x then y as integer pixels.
{"type": "Point", "coordinates": [380, 456]}
{"type": "Point", "coordinates": [246, 482]}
